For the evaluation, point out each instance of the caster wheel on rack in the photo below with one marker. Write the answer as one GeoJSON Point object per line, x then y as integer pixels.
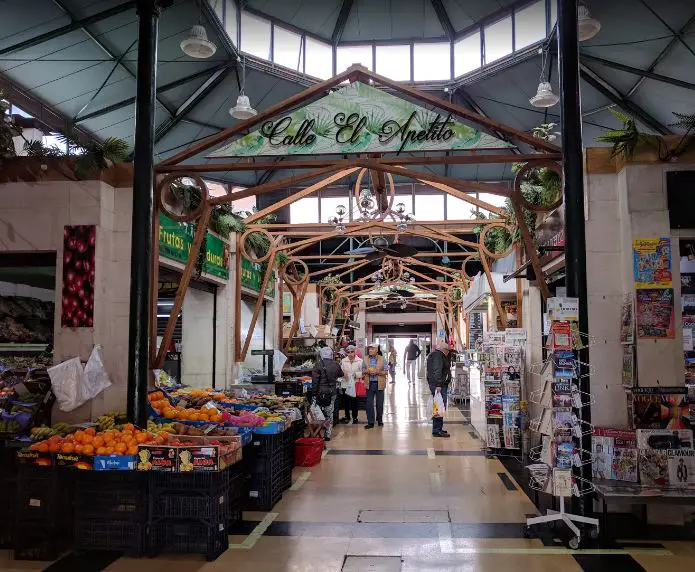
{"type": "Point", "coordinates": [528, 532]}
{"type": "Point", "coordinates": [574, 542]}
{"type": "Point", "coordinates": [593, 532]}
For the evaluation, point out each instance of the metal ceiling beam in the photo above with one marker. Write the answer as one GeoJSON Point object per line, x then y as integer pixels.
{"type": "Point", "coordinates": [341, 21]}
{"type": "Point", "coordinates": [116, 58]}
{"type": "Point", "coordinates": [636, 71]}
{"type": "Point", "coordinates": [214, 22]}
{"type": "Point", "coordinates": [187, 106]}
{"type": "Point", "coordinates": [676, 38]}
{"type": "Point", "coordinates": [74, 25]}
{"type": "Point", "coordinates": [444, 20]}
{"type": "Point", "coordinates": [161, 88]}
{"type": "Point", "coordinates": [608, 91]}
{"type": "Point", "coordinates": [468, 101]}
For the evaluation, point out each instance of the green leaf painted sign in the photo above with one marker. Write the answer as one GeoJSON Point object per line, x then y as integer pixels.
{"type": "Point", "coordinates": [359, 118]}
{"type": "Point", "coordinates": [252, 277]}
{"type": "Point", "coordinates": [176, 238]}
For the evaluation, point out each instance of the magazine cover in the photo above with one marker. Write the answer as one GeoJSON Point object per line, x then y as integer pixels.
{"type": "Point", "coordinates": [511, 388]}
{"type": "Point", "coordinates": [652, 262]}
{"type": "Point", "coordinates": [660, 408]}
{"type": "Point", "coordinates": [655, 315]}
{"type": "Point", "coordinates": [562, 420]}
{"type": "Point", "coordinates": [627, 319]}
{"type": "Point", "coordinates": [493, 436]}
{"type": "Point", "coordinates": [510, 418]}
{"type": "Point", "coordinates": [602, 456]}
{"type": "Point", "coordinates": [653, 468]}
{"type": "Point", "coordinates": [493, 406]}
{"type": "Point", "coordinates": [512, 355]}
{"type": "Point", "coordinates": [564, 454]}
{"type": "Point", "coordinates": [628, 374]}
{"type": "Point", "coordinates": [681, 467]}
{"type": "Point", "coordinates": [561, 336]}
{"type": "Point", "coordinates": [663, 439]}
{"type": "Point", "coordinates": [614, 453]}
{"type": "Point", "coordinates": [562, 482]}
{"type": "Point", "coordinates": [511, 437]}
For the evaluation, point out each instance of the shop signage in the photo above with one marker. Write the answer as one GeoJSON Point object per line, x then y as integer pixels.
{"type": "Point", "coordinates": [176, 238]}
{"type": "Point", "coordinates": [252, 277]}
{"type": "Point", "coordinates": [358, 118]}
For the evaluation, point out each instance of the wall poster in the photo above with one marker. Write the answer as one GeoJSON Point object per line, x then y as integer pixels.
{"type": "Point", "coordinates": [652, 262]}
{"type": "Point", "coordinates": [79, 248]}
{"type": "Point", "coordinates": [655, 314]}
{"type": "Point", "coordinates": [660, 408]}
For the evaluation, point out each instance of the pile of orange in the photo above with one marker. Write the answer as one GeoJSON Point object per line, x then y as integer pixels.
{"type": "Point", "coordinates": [90, 442]}
{"type": "Point", "coordinates": [163, 407]}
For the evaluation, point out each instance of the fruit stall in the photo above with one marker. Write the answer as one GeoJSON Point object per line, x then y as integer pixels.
{"type": "Point", "coordinates": [178, 485]}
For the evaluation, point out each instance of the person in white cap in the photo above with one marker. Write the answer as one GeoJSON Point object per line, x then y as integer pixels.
{"type": "Point", "coordinates": [376, 369]}
{"type": "Point", "coordinates": [438, 378]}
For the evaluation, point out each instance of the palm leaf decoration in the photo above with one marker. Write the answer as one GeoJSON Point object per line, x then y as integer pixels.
{"type": "Point", "coordinates": [624, 140]}
{"type": "Point", "coordinates": [685, 122]}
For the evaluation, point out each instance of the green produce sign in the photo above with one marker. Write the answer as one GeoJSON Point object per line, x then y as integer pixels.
{"type": "Point", "coordinates": [176, 238]}
{"type": "Point", "coordinates": [359, 118]}
{"type": "Point", "coordinates": [252, 277]}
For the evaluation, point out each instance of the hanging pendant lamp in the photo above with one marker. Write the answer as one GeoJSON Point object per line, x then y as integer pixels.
{"type": "Point", "coordinates": [544, 96]}
{"type": "Point", "coordinates": [197, 44]}
{"type": "Point", "coordinates": [587, 27]}
{"type": "Point", "coordinates": [242, 109]}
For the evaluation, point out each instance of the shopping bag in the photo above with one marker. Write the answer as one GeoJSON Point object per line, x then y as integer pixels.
{"type": "Point", "coordinates": [350, 390]}
{"type": "Point", "coordinates": [316, 416]}
{"type": "Point", "coordinates": [438, 405]}
{"type": "Point", "coordinates": [360, 389]}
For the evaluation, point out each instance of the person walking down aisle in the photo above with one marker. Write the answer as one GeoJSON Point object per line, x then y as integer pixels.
{"type": "Point", "coordinates": [410, 357]}
{"type": "Point", "coordinates": [324, 387]}
{"type": "Point", "coordinates": [376, 368]}
{"type": "Point", "coordinates": [393, 358]}
{"type": "Point", "coordinates": [438, 378]}
{"type": "Point", "coordinates": [352, 367]}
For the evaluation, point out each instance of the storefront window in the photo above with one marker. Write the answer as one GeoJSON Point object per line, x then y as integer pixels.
{"type": "Point", "coordinates": [458, 209]}
{"type": "Point", "coordinates": [429, 207]}
{"type": "Point", "coordinates": [230, 22]}
{"type": "Point", "coordinates": [304, 211]}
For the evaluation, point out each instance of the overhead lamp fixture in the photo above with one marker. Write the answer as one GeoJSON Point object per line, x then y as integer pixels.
{"type": "Point", "coordinates": [242, 109]}
{"type": "Point", "coordinates": [544, 94]}
{"type": "Point", "coordinates": [587, 27]}
{"type": "Point", "coordinates": [197, 44]}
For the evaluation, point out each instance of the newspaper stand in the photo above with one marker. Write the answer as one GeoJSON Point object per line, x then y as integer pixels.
{"type": "Point", "coordinates": [560, 423]}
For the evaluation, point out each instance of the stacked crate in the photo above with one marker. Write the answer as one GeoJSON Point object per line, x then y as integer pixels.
{"type": "Point", "coordinates": [189, 513]}
{"type": "Point", "coordinates": [43, 512]}
{"type": "Point", "coordinates": [111, 509]}
{"type": "Point", "coordinates": [266, 469]}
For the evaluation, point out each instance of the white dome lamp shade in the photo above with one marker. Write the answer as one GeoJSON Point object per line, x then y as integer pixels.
{"type": "Point", "coordinates": [197, 44]}
{"type": "Point", "coordinates": [587, 26]}
{"type": "Point", "coordinates": [544, 96]}
{"type": "Point", "coordinates": [242, 109]}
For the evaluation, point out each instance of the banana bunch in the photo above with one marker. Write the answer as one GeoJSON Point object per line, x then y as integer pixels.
{"type": "Point", "coordinates": [41, 433]}
{"type": "Point", "coordinates": [163, 428]}
{"type": "Point", "coordinates": [106, 422]}
{"type": "Point", "coordinates": [62, 429]}
{"type": "Point", "coordinates": [9, 426]}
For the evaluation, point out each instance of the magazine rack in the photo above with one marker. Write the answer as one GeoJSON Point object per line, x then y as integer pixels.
{"type": "Point", "coordinates": [560, 422]}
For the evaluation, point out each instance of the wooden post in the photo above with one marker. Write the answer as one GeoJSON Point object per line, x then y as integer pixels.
{"type": "Point", "coordinates": [493, 290]}
{"type": "Point", "coordinates": [200, 232]}
{"type": "Point", "coordinates": [530, 249]}
{"type": "Point", "coordinates": [519, 293]}
{"type": "Point", "coordinates": [237, 301]}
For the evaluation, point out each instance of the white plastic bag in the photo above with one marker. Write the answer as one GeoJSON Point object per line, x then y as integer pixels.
{"type": "Point", "coordinates": [67, 382]}
{"type": "Point", "coordinates": [97, 380]}
{"type": "Point", "coordinates": [438, 407]}
{"type": "Point", "coordinates": [316, 416]}
{"type": "Point", "coordinates": [350, 390]}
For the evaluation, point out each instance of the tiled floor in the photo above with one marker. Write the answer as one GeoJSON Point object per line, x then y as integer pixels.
{"type": "Point", "coordinates": [396, 499]}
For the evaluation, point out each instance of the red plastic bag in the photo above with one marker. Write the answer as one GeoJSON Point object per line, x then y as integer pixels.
{"type": "Point", "coordinates": [308, 451]}
{"type": "Point", "coordinates": [360, 389]}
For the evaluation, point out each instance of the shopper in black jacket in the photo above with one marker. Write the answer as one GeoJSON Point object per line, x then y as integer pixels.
{"type": "Point", "coordinates": [438, 378]}
{"type": "Point", "coordinates": [325, 386]}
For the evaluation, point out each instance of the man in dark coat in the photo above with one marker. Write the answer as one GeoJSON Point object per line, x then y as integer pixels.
{"type": "Point", "coordinates": [438, 378]}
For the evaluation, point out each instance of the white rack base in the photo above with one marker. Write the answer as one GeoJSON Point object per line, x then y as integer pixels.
{"type": "Point", "coordinates": [569, 520]}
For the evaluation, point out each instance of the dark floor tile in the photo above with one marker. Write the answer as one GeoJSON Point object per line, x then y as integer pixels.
{"type": "Point", "coordinates": [92, 561]}
{"type": "Point", "coordinates": [377, 452]}
{"type": "Point", "coordinates": [605, 562]}
{"type": "Point", "coordinates": [504, 477]}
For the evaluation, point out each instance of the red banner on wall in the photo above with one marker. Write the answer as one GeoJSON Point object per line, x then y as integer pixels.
{"type": "Point", "coordinates": [79, 248]}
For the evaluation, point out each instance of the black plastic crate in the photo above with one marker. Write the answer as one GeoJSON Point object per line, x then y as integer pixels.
{"type": "Point", "coordinates": [8, 498]}
{"type": "Point", "coordinates": [212, 507]}
{"type": "Point", "coordinates": [239, 489]}
{"type": "Point", "coordinates": [191, 537]}
{"type": "Point", "coordinates": [111, 495]}
{"type": "Point", "coordinates": [44, 494]}
{"type": "Point", "coordinates": [264, 492]}
{"type": "Point", "coordinates": [198, 481]}
{"type": "Point", "coordinates": [102, 534]}
{"type": "Point", "coordinates": [267, 445]}
{"type": "Point", "coordinates": [270, 467]}
{"type": "Point", "coordinates": [33, 541]}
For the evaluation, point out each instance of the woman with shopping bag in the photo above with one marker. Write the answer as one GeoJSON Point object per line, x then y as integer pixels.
{"type": "Point", "coordinates": [352, 374]}
{"type": "Point", "coordinates": [325, 387]}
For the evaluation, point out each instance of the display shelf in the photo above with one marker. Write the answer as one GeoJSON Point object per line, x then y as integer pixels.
{"type": "Point", "coordinates": [7, 347]}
